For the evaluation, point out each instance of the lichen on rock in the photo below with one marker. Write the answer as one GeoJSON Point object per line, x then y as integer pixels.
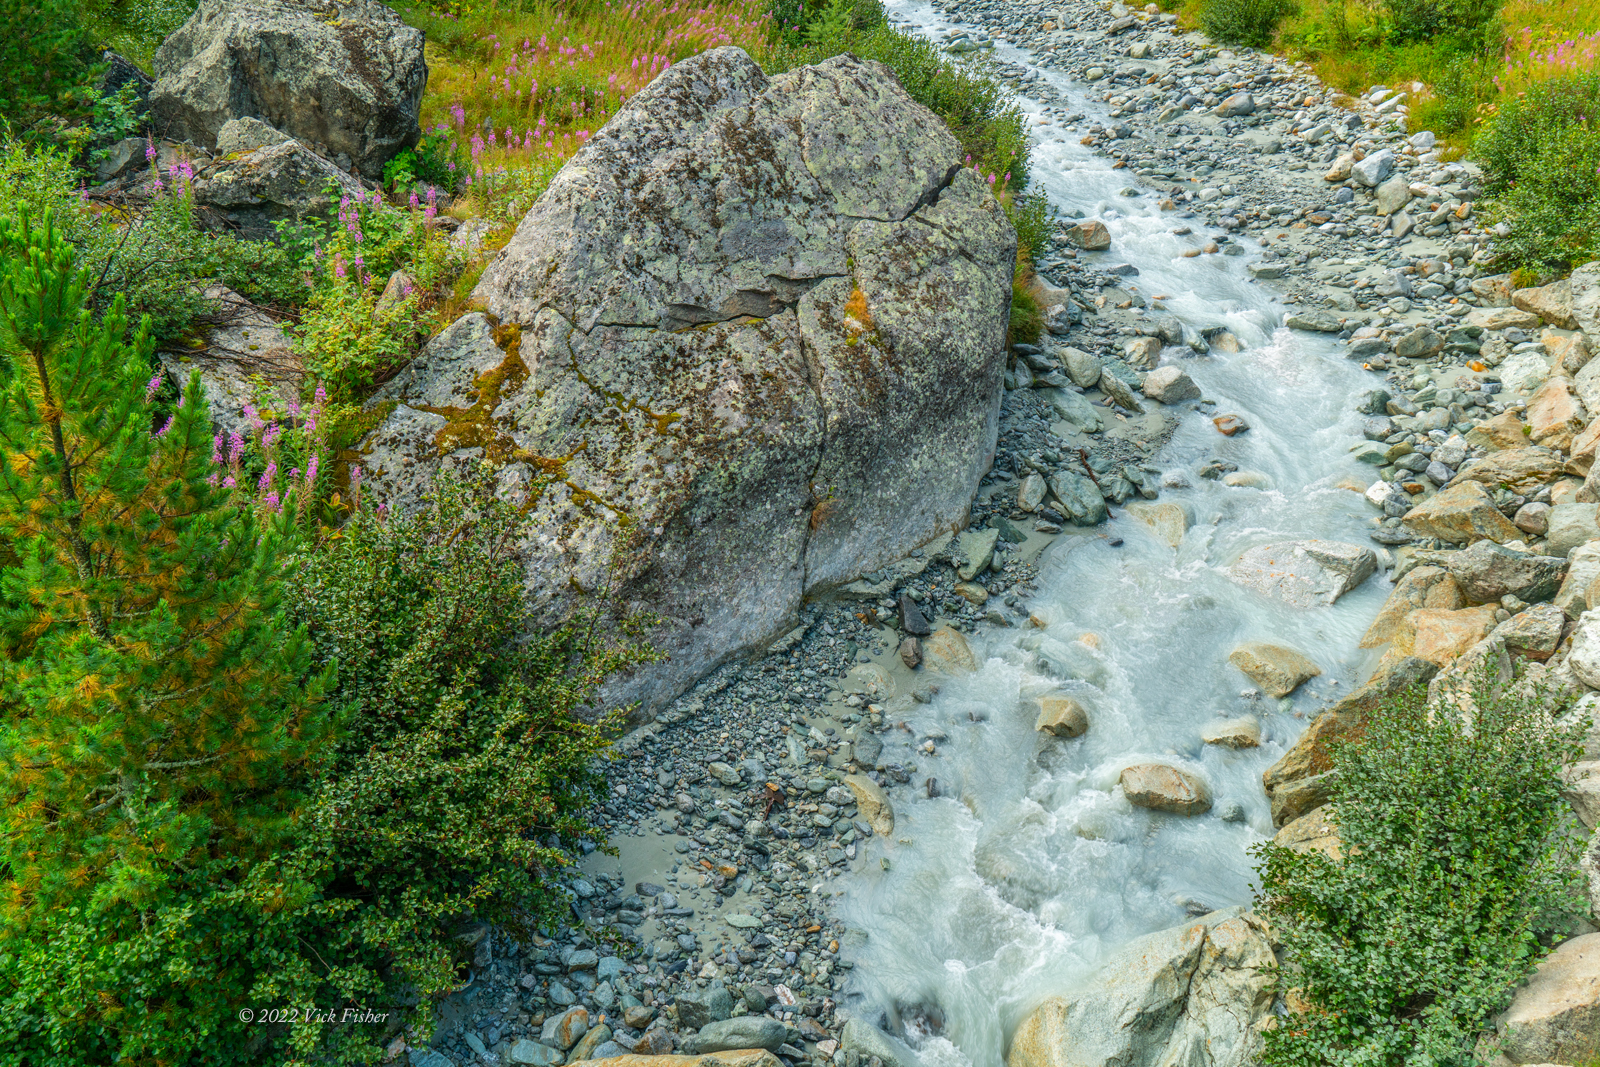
{"type": "Point", "coordinates": [762, 326]}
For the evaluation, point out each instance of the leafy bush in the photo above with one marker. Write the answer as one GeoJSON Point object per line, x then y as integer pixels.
{"type": "Point", "coordinates": [157, 717]}
{"type": "Point", "coordinates": [463, 767]}
{"type": "Point", "coordinates": [1246, 22]}
{"type": "Point", "coordinates": [1471, 22]}
{"type": "Point", "coordinates": [435, 162]}
{"type": "Point", "coordinates": [973, 102]}
{"type": "Point", "coordinates": [1031, 215]}
{"type": "Point", "coordinates": [1455, 843]}
{"type": "Point", "coordinates": [153, 255]}
{"type": "Point", "coordinates": [1541, 163]}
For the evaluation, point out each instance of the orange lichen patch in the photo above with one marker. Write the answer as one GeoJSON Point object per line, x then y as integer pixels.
{"type": "Point", "coordinates": [856, 308]}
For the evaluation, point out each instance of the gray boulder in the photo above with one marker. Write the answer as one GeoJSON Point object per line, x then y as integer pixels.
{"type": "Point", "coordinates": [748, 346]}
{"type": "Point", "coordinates": [344, 75]}
{"type": "Point", "coordinates": [868, 1041]}
{"type": "Point", "coordinates": [1373, 169]}
{"type": "Point", "coordinates": [1196, 994]}
{"type": "Point", "coordinates": [285, 181]}
{"type": "Point", "coordinates": [245, 359]}
{"type": "Point", "coordinates": [246, 135]}
{"type": "Point", "coordinates": [698, 1008]}
{"type": "Point", "coordinates": [745, 1031]}
{"type": "Point", "coordinates": [1486, 571]}
{"type": "Point", "coordinates": [1304, 573]}
{"type": "Point", "coordinates": [1555, 1017]}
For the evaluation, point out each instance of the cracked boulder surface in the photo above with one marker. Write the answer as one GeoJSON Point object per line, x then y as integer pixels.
{"type": "Point", "coordinates": [1198, 994]}
{"type": "Point", "coordinates": [747, 347]}
{"type": "Point", "coordinates": [344, 76]}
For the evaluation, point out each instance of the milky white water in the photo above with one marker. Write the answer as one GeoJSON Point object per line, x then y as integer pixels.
{"type": "Point", "coordinates": [1030, 868]}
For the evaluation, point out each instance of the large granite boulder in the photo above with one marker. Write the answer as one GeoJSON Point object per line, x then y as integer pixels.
{"type": "Point", "coordinates": [749, 345]}
{"type": "Point", "coordinates": [1198, 994]}
{"type": "Point", "coordinates": [346, 76]}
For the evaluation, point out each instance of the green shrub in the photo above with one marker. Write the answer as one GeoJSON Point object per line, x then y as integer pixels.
{"type": "Point", "coordinates": [1026, 321]}
{"type": "Point", "coordinates": [970, 99]}
{"type": "Point", "coordinates": [1470, 22]}
{"type": "Point", "coordinates": [463, 770]}
{"type": "Point", "coordinates": [436, 161]}
{"type": "Point", "coordinates": [155, 256]}
{"type": "Point", "coordinates": [1032, 216]}
{"type": "Point", "coordinates": [1455, 842]}
{"type": "Point", "coordinates": [1246, 22]}
{"type": "Point", "coordinates": [1540, 158]}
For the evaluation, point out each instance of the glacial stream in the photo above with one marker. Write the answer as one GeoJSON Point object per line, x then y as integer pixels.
{"type": "Point", "coordinates": [1028, 869]}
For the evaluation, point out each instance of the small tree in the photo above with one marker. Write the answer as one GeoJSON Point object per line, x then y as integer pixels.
{"type": "Point", "coordinates": [156, 713]}
{"type": "Point", "coordinates": [1455, 844]}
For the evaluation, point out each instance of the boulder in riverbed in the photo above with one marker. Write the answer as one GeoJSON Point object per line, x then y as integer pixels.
{"type": "Point", "coordinates": [750, 346]}
{"type": "Point", "coordinates": [1061, 716]}
{"type": "Point", "coordinates": [1163, 787]}
{"type": "Point", "coordinates": [1304, 573]}
{"type": "Point", "coordinates": [1486, 572]}
{"type": "Point", "coordinates": [1197, 994]}
{"type": "Point", "coordinates": [1462, 513]}
{"type": "Point", "coordinates": [1277, 670]}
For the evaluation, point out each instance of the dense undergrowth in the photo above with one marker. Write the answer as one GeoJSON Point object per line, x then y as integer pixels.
{"type": "Point", "coordinates": [1476, 72]}
{"type": "Point", "coordinates": [1457, 866]}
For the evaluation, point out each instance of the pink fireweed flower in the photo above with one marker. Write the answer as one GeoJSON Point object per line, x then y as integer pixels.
{"type": "Point", "coordinates": [149, 150]}
{"type": "Point", "coordinates": [235, 447]}
{"type": "Point", "coordinates": [272, 503]}
{"type": "Point", "coordinates": [216, 450]}
{"type": "Point", "coordinates": [311, 471]}
{"type": "Point", "coordinates": [267, 475]}
{"type": "Point", "coordinates": [229, 483]}
{"type": "Point", "coordinates": [414, 201]}
{"type": "Point", "coordinates": [152, 387]}
{"type": "Point", "coordinates": [164, 430]}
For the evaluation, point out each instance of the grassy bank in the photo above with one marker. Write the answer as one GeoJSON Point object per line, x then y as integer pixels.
{"type": "Point", "coordinates": [1477, 73]}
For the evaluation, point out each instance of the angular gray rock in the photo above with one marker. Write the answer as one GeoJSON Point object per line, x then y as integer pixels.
{"type": "Point", "coordinates": [285, 181]}
{"type": "Point", "coordinates": [344, 75]}
{"type": "Point", "coordinates": [1195, 995]}
{"type": "Point", "coordinates": [750, 345]}
{"type": "Point", "coordinates": [1080, 497]}
{"type": "Point", "coordinates": [245, 351]}
{"type": "Point", "coordinates": [1304, 573]}
{"type": "Point", "coordinates": [745, 1031]}
{"type": "Point", "coordinates": [1170, 385]}
{"type": "Point", "coordinates": [1373, 169]}
{"type": "Point", "coordinates": [867, 1040]}
{"type": "Point", "coordinates": [246, 135]}
{"type": "Point", "coordinates": [1082, 367]}
{"type": "Point", "coordinates": [1585, 286]}
{"type": "Point", "coordinates": [1486, 571]}
{"type": "Point", "coordinates": [1120, 392]}
{"type": "Point", "coordinates": [1076, 409]}
{"type": "Point", "coordinates": [698, 1008]}
{"type": "Point", "coordinates": [1555, 1017]}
